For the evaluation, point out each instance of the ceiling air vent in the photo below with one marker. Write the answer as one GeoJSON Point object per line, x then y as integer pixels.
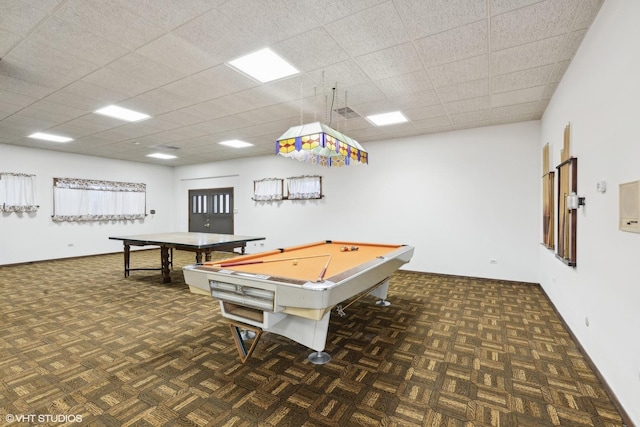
{"type": "Point", "coordinates": [166, 147]}
{"type": "Point", "coordinates": [347, 113]}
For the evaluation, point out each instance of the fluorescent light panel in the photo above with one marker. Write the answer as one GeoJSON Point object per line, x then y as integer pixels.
{"type": "Point", "coordinates": [122, 113]}
{"type": "Point", "coordinates": [264, 65]}
{"type": "Point", "coordinates": [50, 137]}
{"type": "Point", "coordinates": [162, 156]}
{"type": "Point", "coordinates": [387, 118]}
{"type": "Point", "coordinates": [235, 143]}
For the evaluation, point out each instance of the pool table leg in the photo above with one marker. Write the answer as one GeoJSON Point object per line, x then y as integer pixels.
{"type": "Point", "coordinates": [308, 332]}
{"type": "Point", "coordinates": [319, 357]}
{"type": "Point", "coordinates": [242, 333]}
{"type": "Point", "coordinates": [381, 292]}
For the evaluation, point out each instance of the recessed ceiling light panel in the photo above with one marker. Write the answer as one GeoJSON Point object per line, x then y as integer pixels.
{"type": "Point", "coordinates": [387, 118]}
{"type": "Point", "coordinates": [235, 143]}
{"type": "Point", "coordinates": [50, 137]}
{"type": "Point", "coordinates": [122, 113]}
{"type": "Point", "coordinates": [162, 156]}
{"type": "Point", "coordinates": [264, 65]}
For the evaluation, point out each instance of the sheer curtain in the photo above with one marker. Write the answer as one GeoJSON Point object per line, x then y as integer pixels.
{"type": "Point", "coordinates": [88, 200]}
{"type": "Point", "coordinates": [17, 192]}
{"type": "Point", "coordinates": [305, 187]}
{"type": "Point", "coordinates": [267, 189]}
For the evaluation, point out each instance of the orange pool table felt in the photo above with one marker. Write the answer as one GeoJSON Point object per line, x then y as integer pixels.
{"type": "Point", "coordinates": [306, 263]}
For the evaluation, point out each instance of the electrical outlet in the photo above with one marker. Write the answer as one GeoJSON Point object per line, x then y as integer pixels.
{"type": "Point", "coordinates": [586, 321]}
{"type": "Point", "coordinates": [493, 261]}
{"type": "Point", "coordinates": [70, 245]}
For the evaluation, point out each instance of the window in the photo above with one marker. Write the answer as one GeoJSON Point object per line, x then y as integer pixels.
{"type": "Point", "coordinates": [17, 192]}
{"type": "Point", "coordinates": [267, 189]}
{"type": "Point", "coordinates": [89, 200]}
{"type": "Point", "coordinates": [304, 187]}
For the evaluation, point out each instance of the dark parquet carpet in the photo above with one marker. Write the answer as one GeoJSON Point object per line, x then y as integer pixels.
{"type": "Point", "coordinates": [78, 340]}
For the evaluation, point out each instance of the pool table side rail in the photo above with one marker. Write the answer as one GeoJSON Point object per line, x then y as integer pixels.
{"type": "Point", "coordinates": [215, 267]}
{"type": "Point", "coordinates": [304, 294]}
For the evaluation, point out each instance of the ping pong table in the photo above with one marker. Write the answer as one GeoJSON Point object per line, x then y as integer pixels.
{"type": "Point", "coordinates": [200, 243]}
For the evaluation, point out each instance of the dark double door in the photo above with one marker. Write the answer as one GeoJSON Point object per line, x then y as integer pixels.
{"type": "Point", "coordinates": [211, 210]}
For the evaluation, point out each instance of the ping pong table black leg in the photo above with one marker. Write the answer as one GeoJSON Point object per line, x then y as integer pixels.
{"type": "Point", "coordinates": [164, 260]}
{"type": "Point", "coordinates": [127, 258]}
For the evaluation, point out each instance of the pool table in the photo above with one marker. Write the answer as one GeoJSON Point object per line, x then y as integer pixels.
{"type": "Point", "coordinates": [292, 291]}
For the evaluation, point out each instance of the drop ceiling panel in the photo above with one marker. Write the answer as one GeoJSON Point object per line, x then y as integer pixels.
{"type": "Point", "coordinates": [461, 71]}
{"type": "Point", "coordinates": [429, 112]}
{"type": "Point", "coordinates": [122, 83]}
{"type": "Point", "coordinates": [517, 96]}
{"type": "Point", "coordinates": [466, 90]}
{"type": "Point", "coordinates": [370, 30]}
{"type": "Point", "coordinates": [42, 57]}
{"type": "Point", "coordinates": [31, 73]}
{"type": "Point", "coordinates": [169, 14]}
{"type": "Point", "coordinates": [527, 108]}
{"type": "Point", "coordinates": [7, 40]}
{"type": "Point", "coordinates": [585, 14]}
{"type": "Point", "coordinates": [416, 99]}
{"type": "Point", "coordinates": [532, 23]}
{"type": "Point", "coordinates": [501, 6]}
{"type": "Point", "coordinates": [530, 55]}
{"type": "Point", "coordinates": [220, 37]}
{"type": "Point", "coordinates": [55, 33]}
{"type": "Point", "coordinates": [22, 87]}
{"type": "Point", "coordinates": [18, 100]}
{"type": "Point", "coordinates": [346, 74]}
{"type": "Point", "coordinates": [438, 123]}
{"type": "Point", "coordinates": [464, 106]}
{"type": "Point", "coordinates": [144, 69]}
{"type": "Point", "coordinates": [522, 79]}
{"type": "Point", "coordinates": [57, 112]}
{"type": "Point", "coordinates": [275, 20]}
{"type": "Point", "coordinates": [470, 117]}
{"type": "Point", "coordinates": [390, 62]}
{"type": "Point", "coordinates": [19, 16]}
{"type": "Point", "coordinates": [447, 64]}
{"type": "Point", "coordinates": [78, 102]}
{"type": "Point", "coordinates": [95, 93]}
{"type": "Point", "coordinates": [312, 49]}
{"type": "Point", "coordinates": [177, 53]}
{"type": "Point", "coordinates": [423, 18]}
{"type": "Point", "coordinates": [453, 45]}
{"type": "Point", "coordinates": [110, 20]}
{"type": "Point", "coordinates": [405, 84]}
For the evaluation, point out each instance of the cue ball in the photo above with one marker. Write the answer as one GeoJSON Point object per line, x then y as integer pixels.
{"type": "Point", "coordinates": [295, 262]}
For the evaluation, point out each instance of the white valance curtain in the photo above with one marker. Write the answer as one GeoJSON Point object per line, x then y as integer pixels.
{"type": "Point", "coordinates": [267, 189]}
{"type": "Point", "coordinates": [90, 200]}
{"type": "Point", "coordinates": [17, 192]}
{"type": "Point", "coordinates": [304, 187]}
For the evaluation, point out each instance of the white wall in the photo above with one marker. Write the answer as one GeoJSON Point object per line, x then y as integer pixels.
{"type": "Point", "coordinates": [461, 198]}
{"type": "Point", "coordinates": [34, 236]}
{"type": "Point", "coordinates": [599, 95]}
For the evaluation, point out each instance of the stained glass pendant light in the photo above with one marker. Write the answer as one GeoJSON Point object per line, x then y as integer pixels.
{"type": "Point", "coordinates": [320, 144]}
